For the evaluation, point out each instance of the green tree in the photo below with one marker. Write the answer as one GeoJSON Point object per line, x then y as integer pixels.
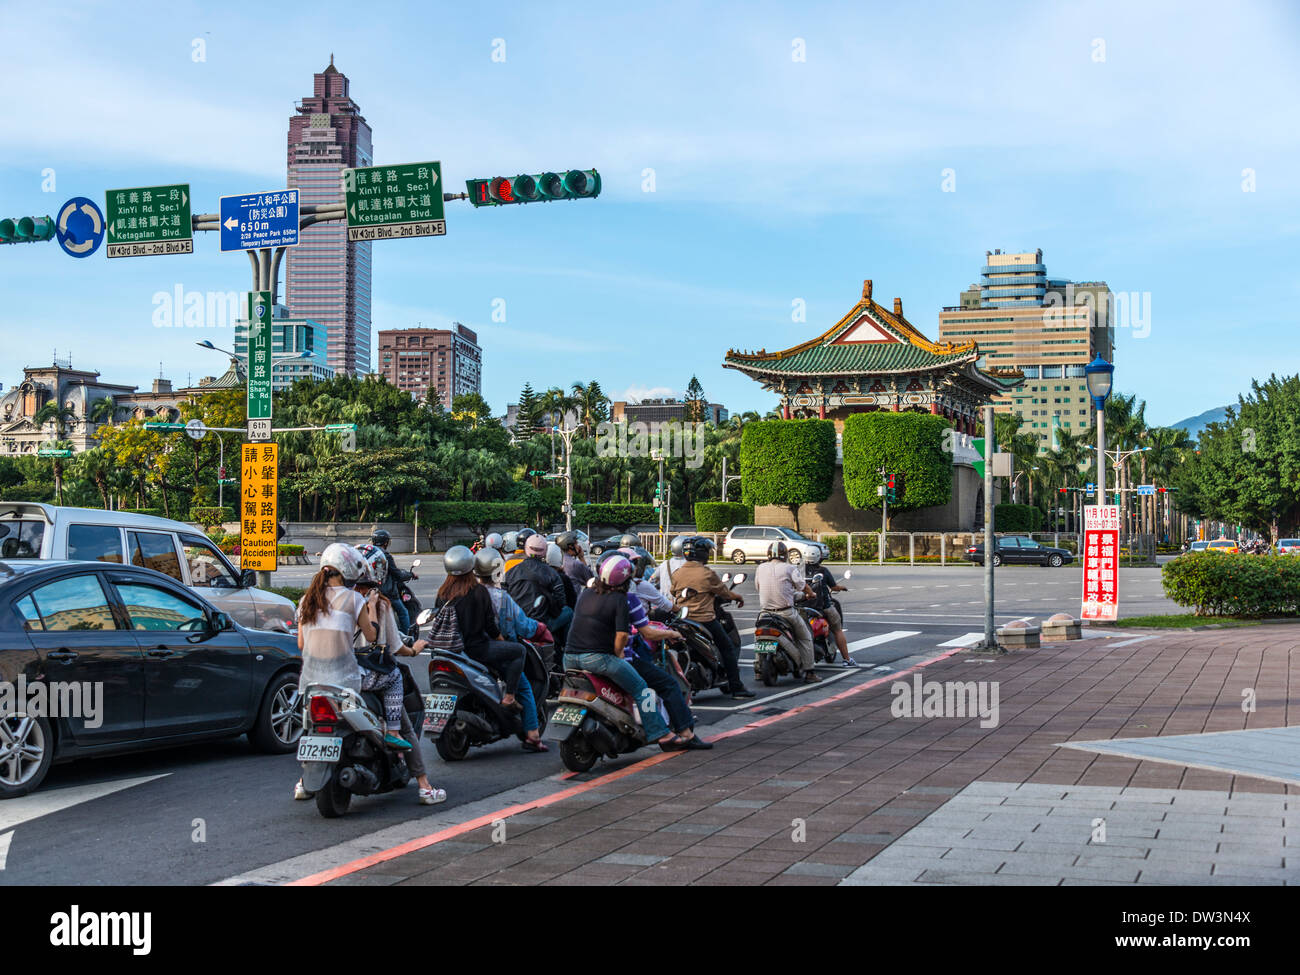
{"type": "Point", "coordinates": [527, 416]}
{"type": "Point", "coordinates": [697, 404]}
{"type": "Point", "coordinates": [591, 404]}
{"type": "Point", "coordinates": [787, 462]}
{"type": "Point", "coordinates": [911, 444]}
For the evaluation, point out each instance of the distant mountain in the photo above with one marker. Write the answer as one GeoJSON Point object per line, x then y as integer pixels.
{"type": "Point", "coordinates": [1195, 424]}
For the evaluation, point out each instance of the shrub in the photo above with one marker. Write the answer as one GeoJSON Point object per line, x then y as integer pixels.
{"type": "Point", "coordinates": [208, 517]}
{"type": "Point", "coordinates": [156, 512]}
{"type": "Point", "coordinates": [719, 516]}
{"type": "Point", "coordinates": [478, 515]}
{"type": "Point", "coordinates": [621, 516]}
{"type": "Point", "coordinates": [838, 546]}
{"type": "Point", "coordinates": [911, 444]}
{"type": "Point", "coordinates": [1223, 584]}
{"type": "Point", "coordinates": [1016, 518]}
{"type": "Point", "coordinates": [787, 462]}
{"type": "Point", "coordinates": [28, 492]}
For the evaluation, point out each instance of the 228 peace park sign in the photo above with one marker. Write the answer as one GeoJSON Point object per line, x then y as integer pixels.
{"type": "Point", "coordinates": [384, 202]}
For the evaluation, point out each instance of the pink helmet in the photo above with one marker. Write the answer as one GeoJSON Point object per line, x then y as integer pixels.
{"type": "Point", "coordinates": [535, 546]}
{"type": "Point", "coordinates": [615, 571]}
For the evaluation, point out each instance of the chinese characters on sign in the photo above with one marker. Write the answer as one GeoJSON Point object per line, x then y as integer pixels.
{"type": "Point", "coordinates": [383, 202]}
{"type": "Point", "coordinates": [258, 528]}
{"type": "Point", "coordinates": [149, 220]}
{"type": "Point", "coordinates": [255, 220]}
{"type": "Point", "coordinates": [1100, 557]}
{"type": "Point", "coordinates": [259, 365]}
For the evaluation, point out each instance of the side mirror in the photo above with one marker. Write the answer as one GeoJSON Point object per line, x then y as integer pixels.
{"type": "Point", "coordinates": [848, 573]}
{"type": "Point", "coordinates": [726, 577]}
{"type": "Point", "coordinates": [247, 579]}
{"type": "Point", "coordinates": [591, 582]}
{"type": "Point", "coordinates": [739, 577]}
{"type": "Point", "coordinates": [415, 564]}
{"type": "Point", "coordinates": [220, 621]}
{"type": "Point", "coordinates": [424, 617]}
{"type": "Point", "coordinates": [538, 601]}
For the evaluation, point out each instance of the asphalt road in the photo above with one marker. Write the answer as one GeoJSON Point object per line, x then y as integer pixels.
{"type": "Point", "coordinates": [204, 813]}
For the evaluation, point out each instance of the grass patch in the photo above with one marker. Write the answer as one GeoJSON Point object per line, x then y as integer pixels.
{"type": "Point", "coordinates": [1179, 621]}
{"type": "Point", "coordinates": [288, 592]}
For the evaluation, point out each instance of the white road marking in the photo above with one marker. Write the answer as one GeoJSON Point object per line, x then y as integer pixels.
{"type": "Point", "coordinates": [965, 640]}
{"type": "Point", "coordinates": [5, 840]}
{"type": "Point", "coordinates": [875, 641]}
{"type": "Point", "coordinates": [1128, 643]}
{"type": "Point", "coordinates": [797, 689]}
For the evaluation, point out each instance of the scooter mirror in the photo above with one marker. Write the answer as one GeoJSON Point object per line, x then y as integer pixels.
{"type": "Point", "coordinates": [726, 577]}
{"type": "Point", "coordinates": [415, 564]}
{"type": "Point", "coordinates": [424, 617]}
{"type": "Point", "coordinates": [848, 573]}
{"type": "Point", "coordinates": [538, 601]}
{"type": "Point", "coordinates": [739, 578]}
{"type": "Point", "coordinates": [591, 582]}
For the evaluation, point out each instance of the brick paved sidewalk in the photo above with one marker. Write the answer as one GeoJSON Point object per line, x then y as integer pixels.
{"type": "Point", "coordinates": [839, 789]}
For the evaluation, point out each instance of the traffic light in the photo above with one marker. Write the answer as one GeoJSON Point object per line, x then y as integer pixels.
{"type": "Point", "coordinates": [576, 184]}
{"type": "Point", "coordinates": [891, 490]}
{"type": "Point", "coordinates": [537, 473]}
{"type": "Point", "coordinates": [25, 230]}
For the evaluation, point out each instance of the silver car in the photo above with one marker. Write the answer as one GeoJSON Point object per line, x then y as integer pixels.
{"type": "Point", "coordinates": [750, 543]}
{"type": "Point", "coordinates": [45, 531]}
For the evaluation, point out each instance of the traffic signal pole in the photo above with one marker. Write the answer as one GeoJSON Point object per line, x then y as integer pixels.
{"type": "Point", "coordinates": [990, 643]}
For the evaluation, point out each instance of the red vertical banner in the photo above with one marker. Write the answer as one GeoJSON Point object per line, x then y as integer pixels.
{"type": "Point", "coordinates": [1100, 559]}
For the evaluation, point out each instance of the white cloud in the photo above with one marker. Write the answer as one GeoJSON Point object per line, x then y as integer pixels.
{"type": "Point", "coordinates": [635, 394]}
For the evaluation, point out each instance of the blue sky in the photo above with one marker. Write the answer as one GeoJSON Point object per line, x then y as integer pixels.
{"type": "Point", "coordinates": [775, 179]}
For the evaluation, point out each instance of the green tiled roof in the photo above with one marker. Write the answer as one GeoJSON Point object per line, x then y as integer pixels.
{"type": "Point", "coordinates": [850, 358]}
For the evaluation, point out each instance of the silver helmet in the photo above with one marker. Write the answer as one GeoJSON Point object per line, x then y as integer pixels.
{"type": "Point", "coordinates": [346, 560]}
{"type": "Point", "coordinates": [678, 546]}
{"type": "Point", "coordinates": [488, 564]}
{"type": "Point", "coordinates": [458, 560]}
{"type": "Point", "coordinates": [554, 556]}
{"type": "Point", "coordinates": [493, 540]}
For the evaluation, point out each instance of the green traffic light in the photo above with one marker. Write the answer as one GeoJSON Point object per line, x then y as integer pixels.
{"type": "Point", "coordinates": [575, 184]}
{"type": "Point", "coordinates": [525, 189]}
{"type": "Point", "coordinates": [26, 229]}
{"type": "Point", "coordinates": [551, 186]}
{"type": "Point", "coordinates": [580, 183]}
{"type": "Point", "coordinates": [7, 230]}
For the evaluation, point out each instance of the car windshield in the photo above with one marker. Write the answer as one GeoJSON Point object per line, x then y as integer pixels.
{"type": "Point", "coordinates": [21, 539]}
{"type": "Point", "coordinates": [791, 533]}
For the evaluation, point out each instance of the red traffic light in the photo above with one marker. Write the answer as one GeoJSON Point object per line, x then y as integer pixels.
{"type": "Point", "coordinates": [500, 190]}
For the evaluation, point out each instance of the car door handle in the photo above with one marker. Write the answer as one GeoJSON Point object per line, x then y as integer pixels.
{"type": "Point", "coordinates": [62, 655]}
{"type": "Point", "coordinates": [160, 653]}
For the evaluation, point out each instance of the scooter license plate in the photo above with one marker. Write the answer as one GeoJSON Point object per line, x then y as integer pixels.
{"type": "Point", "coordinates": [320, 749]}
{"type": "Point", "coordinates": [765, 646]}
{"type": "Point", "coordinates": [568, 714]}
{"type": "Point", "coordinates": [438, 709]}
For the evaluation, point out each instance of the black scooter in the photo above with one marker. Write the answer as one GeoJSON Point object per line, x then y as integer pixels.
{"type": "Point", "coordinates": [411, 602]}
{"type": "Point", "coordinates": [463, 707]}
{"type": "Point", "coordinates": [699, 661]}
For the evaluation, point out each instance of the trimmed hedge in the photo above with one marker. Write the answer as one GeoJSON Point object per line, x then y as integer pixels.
{"type": "Point", "coordinates": [227, 545]}
{"type": "Point", "coordinates": [1016, 518]}
{"type": "Point", "coordinates": [718, 516]}
{"type": "Point", "coordinates": [211, 516]}
{"type": "Point", "coordinates": [156, 512]}
{"type": "Point", "coordinates": [911, 444]}
{"type": "Point", "coordinates": [479, 515]}
{"type": "Point", "coordinates": [29, 492]}
{"type": "Point", "coordinates": [1223, 584]}
{"type": "Point", "coordinates": [621, 516]}
{"type": "Point", "coordinates": [787, 462]}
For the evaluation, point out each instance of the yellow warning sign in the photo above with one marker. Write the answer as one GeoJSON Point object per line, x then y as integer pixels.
{"type": "Point", "coordinates": [259, 463]}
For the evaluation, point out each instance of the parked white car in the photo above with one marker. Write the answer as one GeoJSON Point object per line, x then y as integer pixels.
{"type": "Point", "coordinates": [749, 543]}
{"type": "Point", "coordinates": [45, 531]}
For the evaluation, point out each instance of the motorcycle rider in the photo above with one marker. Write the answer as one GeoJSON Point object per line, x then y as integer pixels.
{"type": "Point", "coordinates": [575, 562]}
{"type": "Point", "coordinates": [493, 540]}
{"type": "Point", "coordinates": [704, 585]}
{"type": "Point", "coordinates": [394, 640]}
{"type": "Point", "coordinates": [827, 608]}
{"type": "Point", "coordinates": [555, 559]}
{"type": "Point", "coordinates": [664, 574]}
{"type": "Point", "coordinates": [778, 583]}
{"type": "Point", "coordinates": [514, 624]}
{"type": "Point", "coordinates": [391, 588]}
{"type": "Point", "coordinates": [651, 598]}
{"type": "Point", "coordinates": [598, 641]}
{"type": "Point", "coordinates": [517, 554]}
{"type": "Point", "coordinates": [531, 577]}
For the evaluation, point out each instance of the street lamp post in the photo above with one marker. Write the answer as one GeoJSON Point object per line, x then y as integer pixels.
{"type": "Point", "coordinates": [727, 479]}
{"type": "Point", "coordinates": [1099, 375]}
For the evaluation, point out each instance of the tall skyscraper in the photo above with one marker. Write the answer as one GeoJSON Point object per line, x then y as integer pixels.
{"type": "Point", "coordinates": [328, 278]}
{"type": "Point", "coordinates": [1048, 327]}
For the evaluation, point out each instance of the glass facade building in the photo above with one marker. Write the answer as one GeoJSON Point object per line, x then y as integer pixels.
{"type": "Point", "coordinates": [299, 342]}
{"type": "Point", "coordinates": [327, 278]}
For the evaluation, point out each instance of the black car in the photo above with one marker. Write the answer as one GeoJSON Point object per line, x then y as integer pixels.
{"type": "Point", "coordinates": [1021, 550]}
{"type": "Point", "coordinates": [602, 545]}
{"type": "Point", "coordinates": [99, 658]}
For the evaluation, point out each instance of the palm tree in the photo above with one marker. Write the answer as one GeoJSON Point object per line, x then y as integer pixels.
{"type": "Point", "coordinates": [590, 402]}
{"type": "Point", "coordinates": [559, 404]}
{"type": "Point", "coordinates": [102, 410]}
{"type": "Point", "coordinates": [61, 416]}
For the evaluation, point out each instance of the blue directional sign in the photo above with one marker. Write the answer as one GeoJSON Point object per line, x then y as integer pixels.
{"type": "Point", "coordinates": [254, 220]}
{"type": "Point", "coordinates": [1092, 488]}
{"type": "Point", "coordinates": [1145, 489]}
{"type": "Point", "coordinates": [80, 227]}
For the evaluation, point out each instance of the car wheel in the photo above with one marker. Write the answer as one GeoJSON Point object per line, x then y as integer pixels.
{"type": "Point", "coordinates": [795, 556]}
{"type": "Point", "coordinates": [997, 560]}
{"type": "Point", "coordinates": [26, 752]}
{"type": "Point", "coordinates": [738, 557]}
{"type": "Point", "coordinates": [1055, 561]}
{"type": "Point", "coordinates": [279, 720]}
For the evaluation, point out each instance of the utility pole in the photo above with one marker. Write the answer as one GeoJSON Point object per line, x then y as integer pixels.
{"type": "Point", "coordinates": [990, 644]}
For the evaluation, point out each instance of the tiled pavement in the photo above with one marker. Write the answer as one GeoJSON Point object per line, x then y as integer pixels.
{"type": "Point", "coordinates": [811, 796]}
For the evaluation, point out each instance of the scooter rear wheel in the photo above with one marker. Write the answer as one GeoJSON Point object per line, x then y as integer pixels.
{"type": "Point", "coordinates": [332, 800]}
{"type": "Point", "coordinates": [768, 674]}
{"type": "Point", "coordinates": [577, 754]}
{"type": "Point", "coordinates": [452, 745]}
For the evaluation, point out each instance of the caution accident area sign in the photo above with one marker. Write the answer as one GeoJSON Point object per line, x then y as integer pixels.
{"type": "Point", "coordinates": [259, 464]}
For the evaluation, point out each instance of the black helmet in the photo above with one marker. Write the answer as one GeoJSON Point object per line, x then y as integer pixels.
{"type": "Point", "coordinates": [521, 537]}
{"type": "Point", "coordinates": [381, 538]}
{"type": "Point", "coordinates": [565, 540]}
{"type": "Point", "coordinates": [778, 550]}
{"type": "Point", "coordinates": [698, 549]}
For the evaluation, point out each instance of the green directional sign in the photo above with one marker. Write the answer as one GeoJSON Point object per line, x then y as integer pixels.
{"type": "Point", "coordinates": [978, 444]}
{"type": "Point", "coordinates": [45, 452]}
{"type": "Point", "coordinates": [149, 220]}
{"type": "Point", "coordinates": [164, 426]}
{"type": "Point", "coordinates": [259, 365]}
{"type": "Point", "coordinates": [394, 201]}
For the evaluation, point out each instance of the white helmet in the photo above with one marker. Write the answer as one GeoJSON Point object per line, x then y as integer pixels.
{"type": "Point", "coordinates": [376, 562]}
{"type": "Point", "coordinates": [554, 556]}
{"type": "Point", "coordinates": [347, 560]}
{"type": "Point", "coordinates": [493, 540]}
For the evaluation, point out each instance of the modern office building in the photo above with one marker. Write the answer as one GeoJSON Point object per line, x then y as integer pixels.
{"type": "Point", "coordinates": [417, 360]}
{"type": "Point", "coordinates": [662, 410]}
{"type": "Point", "coordinates": [327, 278]}
{"type": "Point", "coordinates": [1049, 328]}
{"type": "Point", "coordinates": [297, 348]}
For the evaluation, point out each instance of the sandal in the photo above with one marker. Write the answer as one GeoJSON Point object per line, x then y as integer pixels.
{"type": "Point", "coordinates": [431, 797]}
{"type": "Point", "coordinates": [676, 744]}
{"type": "Point", "coordinates": [535, 746]}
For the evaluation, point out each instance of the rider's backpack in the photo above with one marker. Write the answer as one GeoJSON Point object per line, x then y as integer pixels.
{"type": "Point", "coordinates": [444, 631]}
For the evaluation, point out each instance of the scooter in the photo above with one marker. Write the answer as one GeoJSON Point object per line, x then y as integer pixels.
{"type": "Point", "coordinates": [411, 603]}
{"type": "Point", "coordinates": [698, 659]}
{"type": "Point", "coordinates": [595, 717]}
{"type": "Point", "coordinates": [824, 648]}
{"type": "Point", "coordinates": [342, 747]}
{"type": "Point", "coordinates": [463, 706]}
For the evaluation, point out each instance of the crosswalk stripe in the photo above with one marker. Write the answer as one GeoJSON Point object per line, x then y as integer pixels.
{"type": "Point", "coordinates": [965, 640]}
{"type": "Point", "coordinates": [875, 641]}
